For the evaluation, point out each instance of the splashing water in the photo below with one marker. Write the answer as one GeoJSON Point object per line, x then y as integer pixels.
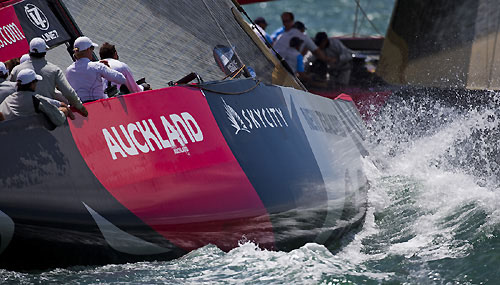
{"type": "Point", "coordinates": [439, 190]}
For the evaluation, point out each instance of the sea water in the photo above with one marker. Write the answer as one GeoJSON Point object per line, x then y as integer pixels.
{"type": "Point", "coordinates": [335, 17]}
{"type": "Point", "coordinates": [433, 216]}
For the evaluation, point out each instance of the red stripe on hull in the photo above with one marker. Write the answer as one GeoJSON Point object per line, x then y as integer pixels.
{"type": "Point", "coordinates": [344, 97]}
{"type": "Point", "coordinates": [193, 194]}
{"type": "Point", "coordinates": [368, 102]}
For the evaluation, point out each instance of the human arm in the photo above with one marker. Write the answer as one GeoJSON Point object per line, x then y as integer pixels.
{"type": "Point", "coordinates": [301, 74]}
{"type": "Point", "coordinates": [53, 112]}
{"type": "Point", "coordinates": [276, 33]}
{"type": "Point", "coordinates": [343, 53]}
{"type": "Point", "coordinates": [318, 53]}
{"type": "Point", "coordinates": [300, 63]}
{"type": "Point", "coordinates": [67, 111]}
{"type": "Point", "coordinates": [110, 74]}
{"type": "Point", "coordinates": [58, 96]}
{"type": "Point", "coordinates": [61, 106]}
{"type": "Point", "coordinates": [309, 45]}
{"type": "Point", "coordinates": [131, 84]}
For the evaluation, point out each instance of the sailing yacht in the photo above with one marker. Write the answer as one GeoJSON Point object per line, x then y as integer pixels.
{"type": "Point", "coordinates": [236, 151]}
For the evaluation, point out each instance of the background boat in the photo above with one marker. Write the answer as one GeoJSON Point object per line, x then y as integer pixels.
{"type": "Point", "coordinates": [360, 25]}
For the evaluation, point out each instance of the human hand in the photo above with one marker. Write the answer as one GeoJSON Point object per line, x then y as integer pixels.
{"type": "Point", "coordinates": [332, 61]}
{"type": "Point", "coordinates": [83, 111]}
{"type": "Point", "coordinates": [105, 62]}
{"type": "Point", "coordinates": [146, 86]}
{"type": "Point", "coordinates": [67, 112]}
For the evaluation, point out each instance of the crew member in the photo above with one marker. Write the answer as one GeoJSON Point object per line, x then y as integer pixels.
{"type": "Point", "coordinates": [293, 57]}
{"type": "Point", "coordinates": [11, 63]}
{"type": "Point", "coordinates": [6, 87]}
{"type": "Point", "coordinates": [283, 43]}
{"type": "Point", "coordinates": [260, 30]}
{"type": "Point", "coordinates": [287, 19]}
{"type": "Point", "coordinates": [86, 76]}
{"type": "Point", "coordinates": [52, 74]}
{"type": "Point", "coordinates": [340, 71]}
{"type": "Point", "coordinates": [108, 54]}
{"type": "Point", "coordinates": [24, 58]}
{"type": "Point", "coordinates": [25, 102]}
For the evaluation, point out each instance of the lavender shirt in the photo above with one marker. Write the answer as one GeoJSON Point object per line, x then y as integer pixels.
{"type": "Point", "coordinates": [86, 78]}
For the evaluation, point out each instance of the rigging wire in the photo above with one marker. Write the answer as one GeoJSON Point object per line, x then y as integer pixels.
{"type": "Point", "coordinates": [234, 73]}
{"type": "Point", "coordinates": [278, 56]}
{"type": "Point", "coordinates": [355, 22]}
{"type": "Point", "coordinates": [222, 31]}
{"type": "Point", "coordinates": [281, 59]}
{"type": "Point", "coordinates": [201, 87]}
{"type": "Point", "coordinates": [358, 5]}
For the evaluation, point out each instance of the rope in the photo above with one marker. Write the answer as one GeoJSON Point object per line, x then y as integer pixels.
{"type": "Point", "coordinates": [241, 10]}
{"type": "Point", "coordinates": [235, 73]}
{"type": "Point", "coordinates": [238, 72]}
{"type": "Point", "coordinates": [366, 16]}
{"type": "Point", "coordinates": [257, 83]}
{"type": "Point", "coordinates": [355, 23]}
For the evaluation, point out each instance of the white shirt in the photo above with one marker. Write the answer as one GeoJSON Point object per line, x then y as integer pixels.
{"type": "Point", "coordinates": [283, 41]}
{"type": "Point", "coordinates": [337, 49]}
{"type": "Point", "coordinates": [263, 36]}
{"type": "Point", "coordinates": [86, 78]}
{"type": "Point", "coordinates": [125, 70]}
{"type": "Point", "coordinates": [294, 59]}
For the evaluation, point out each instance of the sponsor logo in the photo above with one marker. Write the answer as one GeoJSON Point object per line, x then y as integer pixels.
{"type": "Point", "coordinates": [250, 119]}
{"type": "Point", "coordinates": [323, 122]}
{"type": "Point", "coordinates": [50, 35]}
{"type": "Point", "coordinates": [227, 60]}
{"type": "Point", "coordinates": [37, 17]}
{"type": "Point", "coordinates": [232, 66]}
{"type": "Point", "coordinates": [9, 34]}
{"type": "Point", "coordinates": [144, 136]}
